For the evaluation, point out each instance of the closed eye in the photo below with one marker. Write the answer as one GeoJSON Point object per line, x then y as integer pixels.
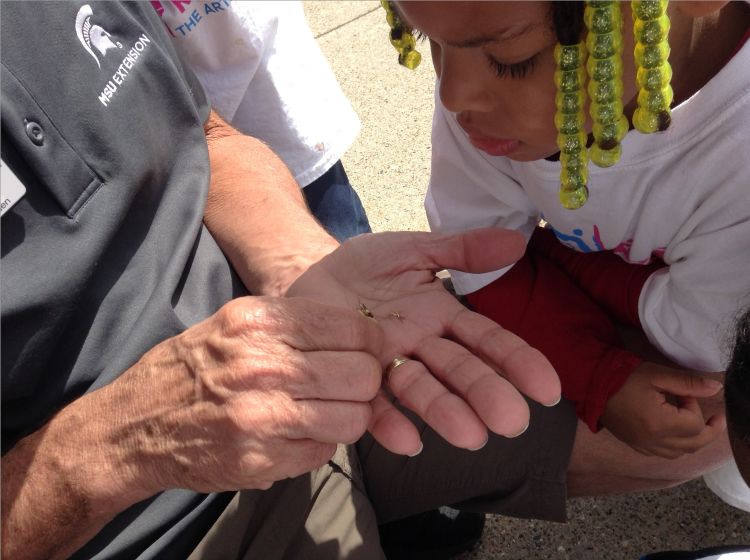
{"type": "Point", "coordinates": [516, 70]}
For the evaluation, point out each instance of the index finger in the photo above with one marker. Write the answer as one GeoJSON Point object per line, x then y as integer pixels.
{"type": "Point", "coordinates": [525, 367]}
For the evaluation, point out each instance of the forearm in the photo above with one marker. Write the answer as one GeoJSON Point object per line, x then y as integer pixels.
{"type": "Point", "coordinates": [612, 283]}
{"type": "Point", "coordinates": [257, 214]}
{"type": "Point", "coordinates": [64, 482]}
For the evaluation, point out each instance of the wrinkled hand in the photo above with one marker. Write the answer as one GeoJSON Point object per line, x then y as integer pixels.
{"type": "Point", "coordinates": [451, 380]}
{"type": "Point", "coordinates": [262, 390]}
{"type": "Point", "coordinates": [657, 411]}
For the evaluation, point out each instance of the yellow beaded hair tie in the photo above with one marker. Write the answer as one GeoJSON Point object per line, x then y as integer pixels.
{"type": "Point", "coordinates": [604, 42]}
{"type": "Point", "coordinates": [401, 38]}
{"type": "Point", "coordinates": [569, 120]}
{"type": "Point", "coordinates": [603, 20]}
{"type": "Point", "coordinates": [651, 28]}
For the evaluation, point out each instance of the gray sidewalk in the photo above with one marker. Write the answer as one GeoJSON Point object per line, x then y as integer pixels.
{"type": "Point", "coordinates": [389, 166]}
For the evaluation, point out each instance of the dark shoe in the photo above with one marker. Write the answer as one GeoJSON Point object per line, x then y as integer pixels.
{"type": "Point", "coordinates": [438, 534]}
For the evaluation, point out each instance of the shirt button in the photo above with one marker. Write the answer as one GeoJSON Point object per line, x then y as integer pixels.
{"type": "Point", "coordinates": [35, 132]}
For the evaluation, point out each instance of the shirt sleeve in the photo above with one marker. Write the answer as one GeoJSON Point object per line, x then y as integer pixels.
{"type": "Point", "coordinates": [224, 50]}
{"type": "Point", "coordinates": [469, 189]}
{"type": "Point", "coordinates": [688, 309]}
{"type": "Point", "coordinates": [611, 282]}
{"type": "Point", "coordinates": [540, 303]}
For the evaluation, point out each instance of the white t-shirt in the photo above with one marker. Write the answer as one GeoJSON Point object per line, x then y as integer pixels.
{"type": "Point", "coordinates": [264, 72]}
{"type": "Point", "coordinates": [683, 195]}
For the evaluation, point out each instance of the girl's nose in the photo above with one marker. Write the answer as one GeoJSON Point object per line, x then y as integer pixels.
{"type": "Point", "coordinates": [462, 82]}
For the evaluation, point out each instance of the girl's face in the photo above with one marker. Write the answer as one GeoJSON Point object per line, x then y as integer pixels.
{"type": "Point", "coordinates": [495, 64]}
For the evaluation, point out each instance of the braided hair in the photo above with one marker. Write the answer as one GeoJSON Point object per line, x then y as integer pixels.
{"type": "Point", "coordinates": [567, 21]}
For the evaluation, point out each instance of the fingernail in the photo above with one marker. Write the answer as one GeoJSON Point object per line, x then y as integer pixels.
{"type": "Point", "coordinates": [421, 447]}
{"type": "Point", "coordinates": [713, 384]}
{"type": "Point", "coordinates": [480, 447]}
{"type": "Point", "coordinates": [526, 427]}
{"type": "Point", "coordinates": [552, 404]}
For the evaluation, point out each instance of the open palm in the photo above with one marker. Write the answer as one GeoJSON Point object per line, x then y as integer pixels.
{"type": "Point", "coordinates": [465, 373]}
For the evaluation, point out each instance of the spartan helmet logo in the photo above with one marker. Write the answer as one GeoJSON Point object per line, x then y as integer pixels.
{"type": "Point", "coordinates": [93, 36]}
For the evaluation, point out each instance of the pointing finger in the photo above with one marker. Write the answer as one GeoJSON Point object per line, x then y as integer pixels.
{"type": "Point", "coordinates": [336, 376]}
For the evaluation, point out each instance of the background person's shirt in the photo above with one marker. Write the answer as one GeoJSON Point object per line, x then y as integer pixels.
{"type": "Point", "coordinates": [264, 72]}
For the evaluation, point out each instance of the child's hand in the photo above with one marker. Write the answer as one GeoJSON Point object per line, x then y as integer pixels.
{"type": "Point", "coordinates": [656, 412]}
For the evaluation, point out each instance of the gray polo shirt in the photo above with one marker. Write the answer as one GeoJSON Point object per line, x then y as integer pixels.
{"type": "Point", "coordinates": [106, 254]}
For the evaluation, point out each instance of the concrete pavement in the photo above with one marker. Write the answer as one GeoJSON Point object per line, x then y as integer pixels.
{"type": "Point", "coordinates": [389, 166]}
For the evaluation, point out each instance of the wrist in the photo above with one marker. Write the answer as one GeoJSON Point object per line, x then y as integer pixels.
{"type": "Point", "coordinates": [287, 271]}
{"type": "Point", "coordinates": [86, 448]}
{"type": "Point", "coordinates": [612, 373]}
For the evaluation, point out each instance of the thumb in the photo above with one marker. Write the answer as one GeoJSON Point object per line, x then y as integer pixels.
{"type": "Point", "coordinates": [477, 250]}
{"type": "Point", "coordinates": [685, 384]}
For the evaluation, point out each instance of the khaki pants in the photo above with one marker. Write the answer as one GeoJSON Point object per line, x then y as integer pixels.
{"type": "Point", "coordinates": [322, 515]}
{"type": "Point", "coordinates": [334, 511]}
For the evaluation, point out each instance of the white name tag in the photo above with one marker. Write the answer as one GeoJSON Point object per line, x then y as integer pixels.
{"type": "Point", "coordinates": [11, 188]}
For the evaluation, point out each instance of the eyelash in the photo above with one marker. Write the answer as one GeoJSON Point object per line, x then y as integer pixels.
{"type": "Point", "coordinates": [515, 71]}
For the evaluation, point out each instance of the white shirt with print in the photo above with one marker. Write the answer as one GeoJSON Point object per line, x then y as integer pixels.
{"type": "Point", "coordinates": [265, 74]}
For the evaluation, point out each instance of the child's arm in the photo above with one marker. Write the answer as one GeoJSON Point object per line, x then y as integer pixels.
{"type": "Point", "coordinates": [537, 301]}
{"type": "Point", "coordinates": [615, 285]}
{"type": "Point", "coordinates": [610, 386]}
{"type": "Point", "coordinates": [685, 304]}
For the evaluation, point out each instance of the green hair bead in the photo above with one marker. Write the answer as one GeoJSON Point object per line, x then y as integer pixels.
{"type": "Point", "coordinates": [570, 78]}
{"type": "Point", "coordinates": [604, 66]}
{"type": "Point", "coordinates": [402, 39]}
{"type": "Point", "coordinates": [651, 29]}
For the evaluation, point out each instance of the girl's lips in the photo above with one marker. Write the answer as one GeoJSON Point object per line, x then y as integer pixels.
{"type": "Point", "coordinates": [494, 146]}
